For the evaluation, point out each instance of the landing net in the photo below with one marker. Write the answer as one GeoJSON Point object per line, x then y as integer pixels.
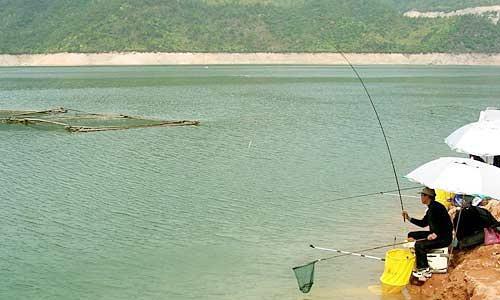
{"type": "Point", "coordinates": [305, 276]}
{"type": "Point", "coordinates": [78, 121]}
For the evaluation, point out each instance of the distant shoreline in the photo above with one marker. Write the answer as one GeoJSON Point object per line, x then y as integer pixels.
{"type": "Point", "coordinates": [139, 58]}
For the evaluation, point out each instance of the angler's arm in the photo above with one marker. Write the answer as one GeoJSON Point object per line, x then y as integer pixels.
{"type": "Point", "coordinates": [421, 223]}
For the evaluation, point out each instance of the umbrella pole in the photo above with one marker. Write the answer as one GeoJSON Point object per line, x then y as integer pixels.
{"type": "Point", "coordinates": [455, 231]}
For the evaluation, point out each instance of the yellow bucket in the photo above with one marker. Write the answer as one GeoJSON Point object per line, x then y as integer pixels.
{"type": "Point", "coordinates": [397, 270]}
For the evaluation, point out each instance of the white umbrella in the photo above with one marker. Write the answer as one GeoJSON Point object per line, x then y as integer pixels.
{"type": "Point", "coordinates": [490, 114]}
{"type": "Point", "coordinates": [480, 138]}
{"type": "Point", "coordinates": [459, 175]}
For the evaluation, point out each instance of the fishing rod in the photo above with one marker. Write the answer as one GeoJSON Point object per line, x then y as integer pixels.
{"type": "Point", "coordinates": [381, 128]}
{"type": "Point", "coordinates": [347, 253]}
{"type": "Point", "coordinates": [305, 274]}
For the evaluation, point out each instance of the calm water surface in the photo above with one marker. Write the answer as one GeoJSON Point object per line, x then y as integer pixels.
{"type": "Point", "coordinates": [226, 209]}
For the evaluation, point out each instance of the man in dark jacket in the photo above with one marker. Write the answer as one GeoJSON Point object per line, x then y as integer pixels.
{"type": "Point", "coordinates": [439, 234]}
{"type": "Point", "coordinates": [470, 222]}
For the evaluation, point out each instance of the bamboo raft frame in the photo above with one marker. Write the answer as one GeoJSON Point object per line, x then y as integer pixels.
{"type": "Point", "coordinates": [25, 119]}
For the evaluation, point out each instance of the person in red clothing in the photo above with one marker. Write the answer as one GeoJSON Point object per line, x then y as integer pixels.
{"type": "Point", "coordinates": [439, 234]}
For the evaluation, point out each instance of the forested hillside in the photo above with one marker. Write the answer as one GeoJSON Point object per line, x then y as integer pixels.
{"type": "Point", "coordinates": [48, 26]}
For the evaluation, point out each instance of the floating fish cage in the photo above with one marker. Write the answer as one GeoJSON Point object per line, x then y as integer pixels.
{"type": "Point", "coordinates": [78, 121]}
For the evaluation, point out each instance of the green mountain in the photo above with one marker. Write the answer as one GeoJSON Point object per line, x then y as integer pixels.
{"type": "Point", "coordinates": [48, 26]}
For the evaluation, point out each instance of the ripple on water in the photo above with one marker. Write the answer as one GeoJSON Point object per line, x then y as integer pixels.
{"type": "Point", "coordinates": [223, 210]}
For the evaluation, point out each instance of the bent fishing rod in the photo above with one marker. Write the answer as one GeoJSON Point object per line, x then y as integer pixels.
{"type": "Point", "coordinates": [381, 128]}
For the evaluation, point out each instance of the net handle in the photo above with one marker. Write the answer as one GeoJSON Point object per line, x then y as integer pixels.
{"type": "Point", "coordinates": [363, 250]}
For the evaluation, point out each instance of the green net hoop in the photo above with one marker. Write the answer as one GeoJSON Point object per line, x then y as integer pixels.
{"type": "Point", "coordinates": [305, 276]}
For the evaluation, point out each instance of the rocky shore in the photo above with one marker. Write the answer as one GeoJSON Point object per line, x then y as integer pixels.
{"type": "Point", "coordinates": [473, 274]}
{"type": "Point", "coordinates": [137, 58]}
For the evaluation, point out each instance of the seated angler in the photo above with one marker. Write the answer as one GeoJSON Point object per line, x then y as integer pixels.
{"type": "Point", "coordinates": [438, 236]}
{"type": "Point", "coordinates": [471, 221]}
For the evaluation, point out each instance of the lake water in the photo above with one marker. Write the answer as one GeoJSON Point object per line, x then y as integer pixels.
{"type": "Point", "coordinates": [226, 209]}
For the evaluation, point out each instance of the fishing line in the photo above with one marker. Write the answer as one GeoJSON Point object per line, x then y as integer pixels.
{"type": "Point", "coordinates": [371, 194]}
{"type": "Point", "coordinates": [381, 128]}
{"type": "Point", "coordinates": [405, 196]}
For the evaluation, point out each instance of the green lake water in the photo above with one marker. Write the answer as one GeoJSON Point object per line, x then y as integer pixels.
{"type": "Point", "coordinates": [226, 209]}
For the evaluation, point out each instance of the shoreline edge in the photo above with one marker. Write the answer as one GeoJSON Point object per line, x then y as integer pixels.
{"type": "Point", "coordinates": [261, 58]}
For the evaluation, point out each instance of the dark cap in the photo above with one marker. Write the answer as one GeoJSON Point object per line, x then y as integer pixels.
{"type": "Point", "coordinates": [429, 192]}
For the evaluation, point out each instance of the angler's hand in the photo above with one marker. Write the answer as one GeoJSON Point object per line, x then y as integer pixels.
{"type": "Point", "coordinates": [432, 236]}
{"type": "Point", "coordinates": [405, 215]}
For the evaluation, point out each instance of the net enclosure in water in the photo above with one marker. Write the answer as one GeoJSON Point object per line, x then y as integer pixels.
{"type": "Point", "coordinates": [77, 121]}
